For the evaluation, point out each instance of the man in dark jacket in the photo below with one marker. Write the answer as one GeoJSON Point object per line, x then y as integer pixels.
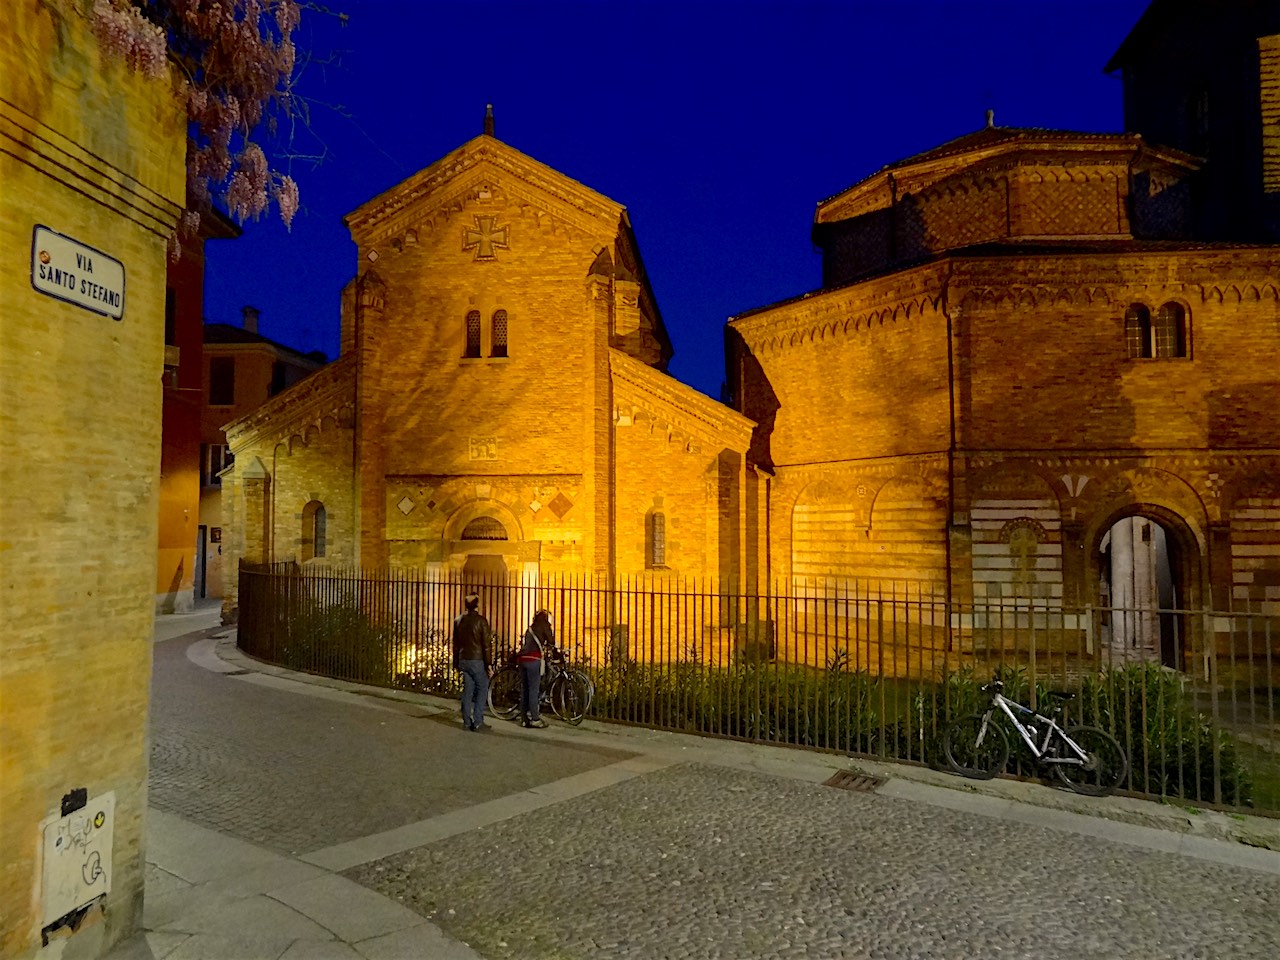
{"type": "Point", "coordinates": [471, 635]}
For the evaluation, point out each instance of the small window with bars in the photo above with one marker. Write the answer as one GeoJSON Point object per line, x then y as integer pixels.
{"type": "Point", "coordinates": [657, 537]}
{"type": "Point", "coordinates": [1171, 331]}
{"type": "Point", "coordinates": [473, 334]}
{"type": "Point", "coordinates": [484, 528]}
{"type": "Point", "coordinates": [498, 342]}
{"type": "Point", "coordinates": [314, 531]}
{"type": "Point", "coordinates": [1137, 331]}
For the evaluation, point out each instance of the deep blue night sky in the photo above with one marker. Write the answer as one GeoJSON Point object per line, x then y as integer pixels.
{"type": "Point", "coordinates": [719, 125]}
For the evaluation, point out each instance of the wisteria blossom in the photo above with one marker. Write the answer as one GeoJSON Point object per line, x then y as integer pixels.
{"type": "Point", "coordinates": [237, 60]}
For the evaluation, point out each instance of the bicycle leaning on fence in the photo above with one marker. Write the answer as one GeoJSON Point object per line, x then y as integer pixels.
{"type": "Point", "coordinates": [1088, 760]}
{"type": "Point", "coordinates": [567, 691]}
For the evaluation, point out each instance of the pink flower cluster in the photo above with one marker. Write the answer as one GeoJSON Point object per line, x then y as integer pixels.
{"type": "Point", "coordinates": [123, 30]}
{"type": "Point", "coordinates": [237, 57]}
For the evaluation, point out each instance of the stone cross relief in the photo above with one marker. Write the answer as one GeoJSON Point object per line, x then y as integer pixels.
{"type": "Point", "coordinates": [485, 238]}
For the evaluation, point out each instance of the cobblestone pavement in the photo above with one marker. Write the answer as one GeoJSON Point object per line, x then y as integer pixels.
{"type": "Point", "coordinates": [691, 860]}
{"type": "Point", "coordinates": [703, 862]}
{"type": "Point", "coordinates": [295, 773]}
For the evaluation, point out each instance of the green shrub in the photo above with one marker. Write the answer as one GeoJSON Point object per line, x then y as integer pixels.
{"type": "Point", "coordinates": [338, 640]}
{"type": "Point", "coordinates": [826, 709]}
{"type": "Point", "coordinates": [426, 665]}
{"type": "Point", "coordinates": [1174, 749]}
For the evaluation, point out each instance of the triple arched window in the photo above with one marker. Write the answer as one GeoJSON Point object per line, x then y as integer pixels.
{"type": "Point", "coordinates": [1167, 335]}
{"type": "Point", "coordinates": [497, 335]}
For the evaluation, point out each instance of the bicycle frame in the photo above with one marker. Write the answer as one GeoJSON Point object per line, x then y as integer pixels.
{"type": "Point", "coordinates": [1030, 726]}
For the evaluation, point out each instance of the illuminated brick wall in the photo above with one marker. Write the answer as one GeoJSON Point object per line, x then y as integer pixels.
{"type": "Point", "coordinates": [80, 395]}
{"type": "Point", "coordinates": [1055, 424]}
{"type": "Point", "coordinates": [496, 304]}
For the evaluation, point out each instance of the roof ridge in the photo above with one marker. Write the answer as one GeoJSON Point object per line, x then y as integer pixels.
{"type": "Point", "coordinates": [984, 136]}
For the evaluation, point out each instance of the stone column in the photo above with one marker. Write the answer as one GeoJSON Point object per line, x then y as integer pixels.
{"type": "Point", "coordinates": [597, 453]}
{"type": "Point", "coordinates": [255, 484]}
{"type": "Point", "coordinates": [369, 474]}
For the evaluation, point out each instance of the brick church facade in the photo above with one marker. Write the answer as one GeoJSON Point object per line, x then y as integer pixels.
{"type": "Point", "coordinates": [1047, 360]}
{"type": "Point", "coordinates": [1017, 351]}
{"type": "Point", "coordinates": [1031, 376]}
{"type": "Point", "coordinates": [501, 393]}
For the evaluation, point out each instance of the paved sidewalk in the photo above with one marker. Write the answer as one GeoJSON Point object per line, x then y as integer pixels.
{"type": "Point", "coordinates": [213, 896]}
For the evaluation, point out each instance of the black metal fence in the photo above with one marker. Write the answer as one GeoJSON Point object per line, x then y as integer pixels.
{"type": "Point", "coordinates": [865, 668]}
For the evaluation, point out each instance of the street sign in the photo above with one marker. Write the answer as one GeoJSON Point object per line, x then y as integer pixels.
{"type": "Point", "coordinates": [76, 273]}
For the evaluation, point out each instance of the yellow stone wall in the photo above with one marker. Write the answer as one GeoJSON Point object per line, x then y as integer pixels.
{"type": "Point", "coordinates": [831, 353]}
{"type": "Point", "coordinates": [95, 153]}
{"type": "Point", "coordinates": [659, 469]}
{"type": "Point", "coordinates": [315, 466]}
{"type": "Point", "coordinates": [1269, 68]}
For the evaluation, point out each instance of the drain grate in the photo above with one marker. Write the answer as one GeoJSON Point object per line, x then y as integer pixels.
{"type": "Point", "coordinates": [234, 673]}
{"type": "Point", "coordinates": [849, 780]}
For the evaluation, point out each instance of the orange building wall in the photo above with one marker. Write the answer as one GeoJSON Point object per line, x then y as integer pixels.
{"type": "Point", "coordinates": [180, 453]}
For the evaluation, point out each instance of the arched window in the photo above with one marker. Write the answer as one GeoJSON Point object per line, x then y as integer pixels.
{"type": "Point", "coordinates": [1171, 331]}
{"type": "Point", "coordinates": [1137, 330]}
{"type": "Point", "coordinates": [314, 520]}
{"type": "Point", "coordinates": [498, 340]}
{"type": "Point", "coordinates": [473, 334]}
{"type": "Point", "coordinates": [657, 537]}
{"type": "Point", "coordinates": [484, 528]}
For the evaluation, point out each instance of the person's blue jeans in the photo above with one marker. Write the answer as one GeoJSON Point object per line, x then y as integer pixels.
{"type": "Point", "coordinates": [531, 674]}
{"type": "Point", "coordinates": [475, 691]}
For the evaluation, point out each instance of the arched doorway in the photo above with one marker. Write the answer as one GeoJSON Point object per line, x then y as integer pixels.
{"type": "Point", "coordinates": [1145, 578]}
{"type": "Point", "coordinates": [485, 571]}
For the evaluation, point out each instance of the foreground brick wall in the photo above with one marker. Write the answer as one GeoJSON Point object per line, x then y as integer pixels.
{"type": "Point", "coordinates": [95, 153]}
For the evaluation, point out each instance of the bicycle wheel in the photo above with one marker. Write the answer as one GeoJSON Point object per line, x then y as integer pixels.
{"type": "Point", "coordinates": [1105, 764]}
{"type": "Point", "coordinates": [976, 747]}
{"type": "Point", "coordinates": [570, 697]}
{"type": "Point", "coordinates": [504, 693]}
{"type": "Point", "coordinates": [590, 685]}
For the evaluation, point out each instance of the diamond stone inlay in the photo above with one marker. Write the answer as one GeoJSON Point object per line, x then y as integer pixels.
{"type": "Point", "coordinates": [406, 506]}
{"type": "Point", "coordinates": [535, 506]}
{"type": "Point", "coordinates": [560, 505]}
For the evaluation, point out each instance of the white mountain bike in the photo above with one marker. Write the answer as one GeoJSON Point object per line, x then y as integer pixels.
{"type": "Point", "coordinates": [1088, 760]}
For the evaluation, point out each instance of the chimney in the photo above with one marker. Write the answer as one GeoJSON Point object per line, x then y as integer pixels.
{"type": "Point", "coordinates": [250, 318]}
{"type": "Point", "coordinates": [488, 119]}
{"type": "Point", "coordinates": [991, 118]}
